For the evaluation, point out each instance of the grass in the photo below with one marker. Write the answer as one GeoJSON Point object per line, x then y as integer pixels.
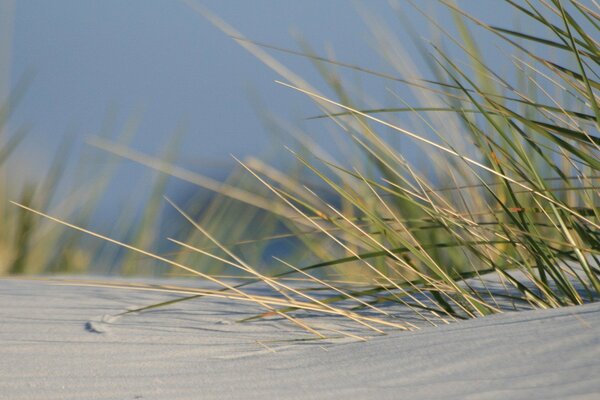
{"type": "Point", "coordinates": [504, 217]}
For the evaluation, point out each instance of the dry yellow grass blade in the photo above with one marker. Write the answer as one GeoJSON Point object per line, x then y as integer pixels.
{"type": "Point", "coordinates": [336, 240]}
{"type": "Point", "coordinates": [172, 263]}
{"type": "Point", "coordinates": [444, 149]}
{"type": "Point", "coordinates": [188, 176]}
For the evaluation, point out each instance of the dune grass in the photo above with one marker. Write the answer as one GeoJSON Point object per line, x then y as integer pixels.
{"type": "Point", "coordinates": [505, 215]}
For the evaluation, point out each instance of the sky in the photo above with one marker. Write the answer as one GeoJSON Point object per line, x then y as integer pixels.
{"type": "Point", "coordinates": [164, 59]}
{"type": "Point", "coordinates": [163, 63]}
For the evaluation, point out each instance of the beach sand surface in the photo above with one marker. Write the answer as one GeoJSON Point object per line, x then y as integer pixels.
{"type": "Point", "coordinates": [64, 342]}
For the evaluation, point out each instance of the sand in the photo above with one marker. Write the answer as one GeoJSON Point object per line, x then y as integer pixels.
{"type": "Point", "coordinates": [60, 342]}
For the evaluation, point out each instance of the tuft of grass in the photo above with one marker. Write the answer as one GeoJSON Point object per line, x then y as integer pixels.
{"type": "Point", "coordinates": [505, 216]}
{"type": "Point", "coordinates": [30, 246]}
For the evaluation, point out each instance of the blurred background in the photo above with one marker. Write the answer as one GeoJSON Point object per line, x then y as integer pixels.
{"type": "Point", "coordinates": [158, 77]}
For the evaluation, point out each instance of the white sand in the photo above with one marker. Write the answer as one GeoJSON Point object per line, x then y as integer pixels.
{"type": "Point", "coordinates": [54, 345]}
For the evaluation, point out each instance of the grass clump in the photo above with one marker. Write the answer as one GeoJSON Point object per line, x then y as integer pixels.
{"type": "Point", "coordinates": [504, 217]}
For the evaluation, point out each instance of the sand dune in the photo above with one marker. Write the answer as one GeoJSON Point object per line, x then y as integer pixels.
{"type": "Point", "coordinates": [63, 342]}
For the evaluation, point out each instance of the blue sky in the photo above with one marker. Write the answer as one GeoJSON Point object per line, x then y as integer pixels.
{"type": "Point", "coordinates": [165, 59]}
{"type": "Point", "coordinates": [160, 57]}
